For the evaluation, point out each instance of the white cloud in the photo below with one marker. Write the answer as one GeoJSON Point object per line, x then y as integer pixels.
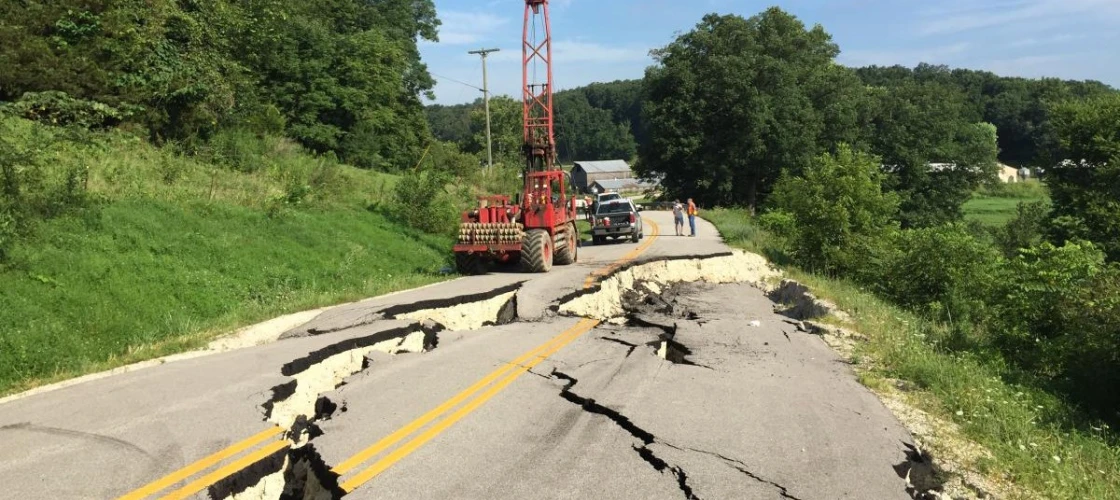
{"type": "Point", "coordinates": [462, 28]}
{"type": "Point", "coordinates": [968, 16]}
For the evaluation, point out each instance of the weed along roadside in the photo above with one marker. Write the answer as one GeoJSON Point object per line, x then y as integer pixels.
{"type": "Point", "coordinates": [991, 431]}
{"type": "Point", "coordinates": [144, 264]}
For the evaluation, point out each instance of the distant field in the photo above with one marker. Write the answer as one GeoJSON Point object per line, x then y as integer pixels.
{"type": "Point", "coordinates": [994, 207]}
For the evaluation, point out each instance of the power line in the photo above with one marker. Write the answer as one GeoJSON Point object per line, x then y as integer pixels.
{"type": "Point", "coordinates": [460, 82]}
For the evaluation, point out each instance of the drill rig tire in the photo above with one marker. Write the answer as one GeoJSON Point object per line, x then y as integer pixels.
{"type": "Point", "coordinates": [469, 264]}
{"type": "Point", "coordinates": [569, 254]}
{"type": "Point", "coordinates": [536, 251]}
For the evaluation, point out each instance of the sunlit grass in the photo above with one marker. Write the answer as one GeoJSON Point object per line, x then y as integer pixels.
{"type": "Point", "coordinates": [1038, 442]}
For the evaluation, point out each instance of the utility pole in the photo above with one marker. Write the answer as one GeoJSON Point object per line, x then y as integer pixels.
{"type": "Point", "coordinates": [486, 99]}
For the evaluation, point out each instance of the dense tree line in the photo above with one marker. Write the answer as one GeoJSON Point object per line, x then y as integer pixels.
{"type": "Point", "coordinates": [596, 122]}
{"type": "Point", "coordinates": [343, 76]}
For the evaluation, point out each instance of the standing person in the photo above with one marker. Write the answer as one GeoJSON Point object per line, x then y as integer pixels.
{"type": "Point", "coordinates": [692, 215]}
{"type": "Point", "coordinates": [678, 217]}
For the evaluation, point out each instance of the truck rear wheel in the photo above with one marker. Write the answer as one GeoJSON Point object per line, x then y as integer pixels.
{"type": "Point", "coordinates": [536, 251]}
{"type": "Point", "coordinates": [569, 254]}
{"type": "Point", "coordinates": [469, 264]}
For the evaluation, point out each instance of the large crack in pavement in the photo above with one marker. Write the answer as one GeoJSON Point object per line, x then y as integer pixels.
{"type": "Point", "coordinates": [646, 439]}
{"type": "Point", "coordinates": [460, 313]}
{"type": "Point", "coordinates": [299, 472]}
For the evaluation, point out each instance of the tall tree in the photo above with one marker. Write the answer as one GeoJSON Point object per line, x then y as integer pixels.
{"type": "Point", "coordinates": [1086, 188]}
{"type": "Point", "coordinates": [936, 158]}
{"type": "Point", "coordinates": [584, 132]}
{"type": "Point", "coordinates": [735, 101]}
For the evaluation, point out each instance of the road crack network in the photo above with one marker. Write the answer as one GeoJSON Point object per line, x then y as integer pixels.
{"type": "Point", "coordinates": [647, 439]}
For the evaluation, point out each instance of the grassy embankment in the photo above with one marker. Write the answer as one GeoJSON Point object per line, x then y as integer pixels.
{"type": "Point", "coordinates": [169, 251]}
{"type": "Point", "coordinates": [1037, 442]}
{"type": "Point", "coordinates": [995, 206]}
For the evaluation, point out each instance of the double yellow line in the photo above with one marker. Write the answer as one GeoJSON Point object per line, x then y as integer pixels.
{"type": "Point", "coordinates": [518, 367]}
{"type": "Point", "coordinates": [504, 376]}
{"type": "Point", "coordinates": [655, 231]}
{"type": "Point", "coordinates": [210, 461]}
{"type": "Point", "coordinates": [511, 371]}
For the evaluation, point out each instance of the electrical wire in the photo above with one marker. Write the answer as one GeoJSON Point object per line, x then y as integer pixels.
{"type": "Point", "coordinates": [460, 82]}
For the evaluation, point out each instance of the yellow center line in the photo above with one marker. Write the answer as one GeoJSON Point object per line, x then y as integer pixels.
{"type": "Point", "coordinates": [203, 464]}
{"type": "Point", "coordinates": [427, 418]}
{"type": "Point", "coordinates": [537, 355]}
{"type": "Point", "coordinates": [229, 470]}
{"type": "Point", "coordinates": [381, 465]}
{"type": "Point", "coordinates": [633, 254]}
{"type": "Point", "coordinates": [519, 366]}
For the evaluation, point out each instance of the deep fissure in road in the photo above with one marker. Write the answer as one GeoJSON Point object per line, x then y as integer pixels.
{"type": "Point", "coordinates": [647, 438]}
{"type": "Point", "coordinates": [623, 422]}
{"type": "Point", "coordinates": [299, 472]}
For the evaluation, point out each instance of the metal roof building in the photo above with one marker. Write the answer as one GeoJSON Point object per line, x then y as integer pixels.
{"type": "Point", "coordinates": [586, 172]}
{"type": "Point", "coordinates": [622, 185]}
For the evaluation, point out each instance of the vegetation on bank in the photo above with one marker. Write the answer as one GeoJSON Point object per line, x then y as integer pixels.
{"type": "Point", "coordinates": [113, 250]}
{"type": "Point", "coordinates": [1041, 440]}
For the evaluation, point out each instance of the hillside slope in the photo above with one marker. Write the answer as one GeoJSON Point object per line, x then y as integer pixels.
{"type": "Point", "coordinates": [117, 251]}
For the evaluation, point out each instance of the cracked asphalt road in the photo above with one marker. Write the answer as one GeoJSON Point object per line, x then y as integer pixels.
{"type": "Point", "coordinates": [751, 412]}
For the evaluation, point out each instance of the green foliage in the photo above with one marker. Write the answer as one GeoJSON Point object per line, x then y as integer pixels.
{"type": "Point", "coordinates": [344, 77]}
{"type": "Point", "coordinates": [587, 132]}
{"type": "Point", "coordinates": [1022, 422]}
{"type": "Point", "coordinates": [505, 131]}
{"type": "Point", "coordinates": [1026, 230]}
{"type": "Point", "coordinates": [914, 125]}
{"type": "Point", "coordinates": [152, 277]}
{"type": "Point", "coordinates": [945, 273]}
{"type": "Point", "coordinates": [33, 188]}
{"type": "Point", "coordinates": [1018, 107]}
{"type": "Point", "coordinates": [58, 108]}
{"type": "Point", "coordinates": [451, 123]}
{"type": "Point", "coordinates": [117, 251]}
{"type": "Point", "coordinates": [834, 211]}
{"type": "Point", "coordinates": [421, 201]}
{"type": "Point", "coordinates": [735, 101]}
{"type": "Point", "coordinates": [1086, 190]}
{"type": "Point", "coordinates": [1026, 190]}
{"type": "Point", "coordinates": [1034, 302]}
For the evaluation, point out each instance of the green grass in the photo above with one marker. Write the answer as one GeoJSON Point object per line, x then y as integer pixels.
{"type": "Point", "coordinates": [1023, 427]}
{"type": "Point", "coordinates": [159, 263]}
{"type": "Point", "coordinates": [584, 229]}
{"type": "Point", "coordinates": [994, 206]}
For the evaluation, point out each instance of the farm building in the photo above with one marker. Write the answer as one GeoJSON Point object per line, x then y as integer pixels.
{"type": "Point", "coordinates": [584, 173]}
{"type": "Point", "coordinates": [622, 186]}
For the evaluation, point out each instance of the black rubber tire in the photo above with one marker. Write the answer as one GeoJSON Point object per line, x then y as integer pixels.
{"type": "Point", "coordinates": [469, 264]}
{"type": "Point", "coordinates": [634, 237]}
{"type": "Point", "coordinates": [596, 240]}
{"type": "Point", "coordinates": [536, 251]}
{"type": "Point", "coordinates": [569, 255]}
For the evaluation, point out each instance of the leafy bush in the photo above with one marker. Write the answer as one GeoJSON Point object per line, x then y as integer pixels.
{"type": "Point", "coordinates": [1033, 307]}
{"type": "Point", "coordinates": [837, 205]}
{"type": "Point", "coordinates": [1024, 231]}
{"type": "Point", "coordinates": [59, 108]}
{"type": "Point", "coordinates": [32, 187]}
{"type": "Point", "coordinates": [421, 201]}
{"type": "Point", "coordinates": [943, 272]}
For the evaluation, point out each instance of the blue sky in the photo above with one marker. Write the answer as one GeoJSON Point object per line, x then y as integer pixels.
{"type": "Point", "coordinates": [605, 40]}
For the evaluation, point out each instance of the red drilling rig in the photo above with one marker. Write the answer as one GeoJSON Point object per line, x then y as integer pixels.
{"type": "Point", "coordinates": [539, 228]}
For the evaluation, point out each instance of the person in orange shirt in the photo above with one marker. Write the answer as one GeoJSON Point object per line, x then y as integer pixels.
{"type": "Point", "coordinates": [692, 216]}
